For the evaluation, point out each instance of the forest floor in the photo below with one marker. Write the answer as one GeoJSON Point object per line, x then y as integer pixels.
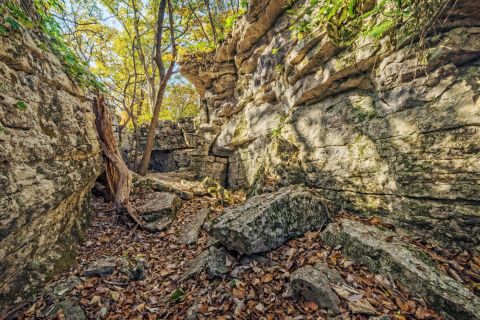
{"type": "Point", "coordinates": [255, 287]}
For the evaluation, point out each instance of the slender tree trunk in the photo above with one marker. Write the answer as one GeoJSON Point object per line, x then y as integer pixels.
{"type": "Point", "coordinates": [164, 77]}
{"type": "Point", "coordinates": [152, 128]}
{"type": "Point", "coordinates": [212, 21]}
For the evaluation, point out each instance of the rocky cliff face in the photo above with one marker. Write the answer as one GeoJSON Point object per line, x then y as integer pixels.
{"type": "Point", "coordinates": [49, 160]}
{"type": "Point", "coordinates": [391, 132]}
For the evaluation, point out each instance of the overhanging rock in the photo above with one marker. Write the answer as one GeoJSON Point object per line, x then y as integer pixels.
{"type": "Point", "coordinates": [411, 267]}
{"type": "Point", "coordinates": [266, 221]}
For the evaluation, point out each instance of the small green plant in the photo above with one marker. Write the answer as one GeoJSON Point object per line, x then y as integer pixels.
{"type": "Point", "coordinates": [177, 295]}
{"type": "Point", "coordinates": [21, 105]}
{"type": "Point", "coordinates": [279, 68]}
{"type": "Point", "coordinates": [2, 129]}
{"type": "Point", "coordinates": [274, 51]}
{"type": "Point", "coordinates": [277, 131]}
{"type": "Point", "coordinates": [346, 20]}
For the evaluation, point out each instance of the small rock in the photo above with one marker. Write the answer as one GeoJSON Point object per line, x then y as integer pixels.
{"type": "Point", "coordinates": [160, 225]}
{"type": "Point", "coordinates": [332, 274]}
{"type": "Point", "coordinates": [382, 317]}
{"type": "Point", "coordinates": [212, 260]}
{"type": "Point", "coordinates": [159, 210]}
{"type": "Point", "coordinates": [139, 271]}
{"type": "Point", "coordinates": [70, 309]}
{"type": "Point", "coordinates": [314, 285]}
{"type": "Point", "coordinates": [216, 266]}
{"type": "Point", "coordinates": [62, 288]}
{"type": "Point", "coordinates": [159, 204]}
{"type": "Point", "coordinates": [192, 230]}
{"type": "Point", "coordinates": [192, 312]}
{"type": "Point", "coordinates": [101, 267]}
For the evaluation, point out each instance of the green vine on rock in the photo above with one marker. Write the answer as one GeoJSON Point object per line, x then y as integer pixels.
{"type": "Point", "coordinates": [15, 19]}
{"type": "Point", "coordinates": [346, 20]}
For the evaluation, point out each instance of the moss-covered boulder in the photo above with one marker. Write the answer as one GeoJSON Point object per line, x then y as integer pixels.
{"type": "Point", "coordinates": [266, 221]}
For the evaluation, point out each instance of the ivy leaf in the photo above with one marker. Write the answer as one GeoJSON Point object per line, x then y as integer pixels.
{"type": "Point", "coordinates": [13, 23]}
{"type": "Point", "coordinates": [380, 29]}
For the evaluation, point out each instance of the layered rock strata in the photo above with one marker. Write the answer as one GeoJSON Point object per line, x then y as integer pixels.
{"type": "Point", "coordinates": [49, 160]}
{"type": "Point", "coordinates": [379, 129]}
{"type": "Point", "coordinates": [180, 146]}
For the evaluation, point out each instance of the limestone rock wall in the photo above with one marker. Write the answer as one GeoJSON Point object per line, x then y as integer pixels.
{"type": "Point", "coordinates": [392, 132]}
{"type": "Point", "coordinates": [181, 146]}
{"type": "Point", "coordinates": [49, 160]}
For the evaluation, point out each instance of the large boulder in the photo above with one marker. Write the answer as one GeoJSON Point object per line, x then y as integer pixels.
{"type": "Point", "coordinates": [266, 221]}
{"type": "Point", "coordinates": [383, 252]}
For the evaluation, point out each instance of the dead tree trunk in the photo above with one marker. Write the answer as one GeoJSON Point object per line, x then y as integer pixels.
{"type": "Point", "coordinates": [118, 176]}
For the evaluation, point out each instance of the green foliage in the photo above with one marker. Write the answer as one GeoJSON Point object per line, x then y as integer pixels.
{"type": "Point", "coordinates": [21, 105]}
{"type": "Point", "coordinates": [2, 129]}
{"type": "Point", "coordinates": [74, 67]}
{"type": "Point", "coordinates": [346, 20]}
{"type": "Point", "coordinates": [177, 295]}
{"type": "Point", "coordinates": [180, 101]}
{"type": "Point", "coordinates": [279, 68]}
{"type": "Point", "coordinates": [277, 131]}
{"type": "Point", "coordinates": [274, 51]}
{"type": "Point", "coordinates": [16, 19]}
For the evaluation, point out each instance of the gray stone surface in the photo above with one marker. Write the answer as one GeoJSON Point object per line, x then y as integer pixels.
{"type": "Point", "coordinates": [379, 130]}
{"type": "Point", "coordinates": [70, 309]}
{"type": "Point", "coordinates": [61, 289]}
{"type": "Point", "coordinates": [314, 285]}
{"type": "Point", "coordinates": [49, 159]}
{"type": "Point", "coordinates": [192, 230]}
{"type": "Point", "coordinates": [101, 267]}
{"type": "Point", "coordinates": [266, 221]}
{"type": "Point", "coordinates": [413, 268]}
{"type": "Point", "coordinates": [158, 210]}
{"type": "Point", "coordinates": [212, 260]}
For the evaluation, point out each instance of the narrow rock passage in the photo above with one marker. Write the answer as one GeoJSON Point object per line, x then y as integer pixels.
{"type": "Point", "coordinates": [147, 279]}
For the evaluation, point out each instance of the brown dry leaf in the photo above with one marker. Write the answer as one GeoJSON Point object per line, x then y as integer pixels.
{"type": "Point", "coordinates": [399, 317]}
{"type": "Point", "coordinates": [362, 306]}
{"type": "Point", "coordinates": [114, 295]}
{"type": "Point", "coordinates": [267, 278]}
{"type": "Point", "coordinates": [104, 239]}
{"type": "Point", "coordinates": [165, 273]}
{"type": "Point", "coordinates": [95, 299]}
{"type": "Point", "coordinates": [203, 308]}
{"type": "Point", "coordinates": [31, 310]}
{"type": "Point", "coordinates": [423, 313]}
{"type": "Point", "coordinates": [238, 293]}
{"type": "Point", "coordinates": [141, 307]}
{"type": "Point", "coordinates": [402, 305]}
{"type": "Point", "coordinates": [375, 221]}
{"type": "Point", "coordinates": [312, 306]}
